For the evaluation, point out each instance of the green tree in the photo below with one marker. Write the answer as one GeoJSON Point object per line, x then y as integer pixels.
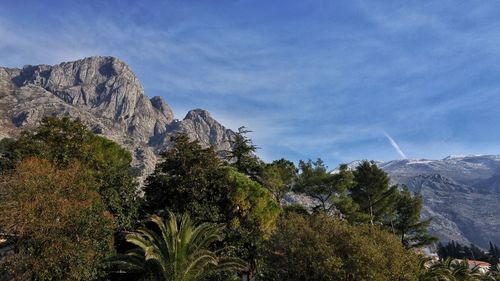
{"type": "Point", "coordinates": [330, 189]}
{"type": "Point", "coordinates": [179, 252]}
{"type": "Point", "coordinates": [189, 179]}
{"type": "Point", "coordinates": [279, 177]}
{"type": "Point", "coordinates": [63, 141]}
{"type": "Point", "coordinates": [373, 194]}
{"type": "Point", "coordinates": [254, 220]}
{"type": "Point", "coordinates": [193, 180]}
{"type": "Point", "coordinates": [61, 227]}
{"type": "Point", "coordinates": [448, 269]}
{"type": "Point", "coordinates": [8, 156]}
{"type": "Point", "coordinates": [407, 223]}
{"type": "Point", "coordinates": [321, 248]}
{"type": "Point", "coordinates": [242, 154]}
{"type": "Point", "coordinates": [494, 254]}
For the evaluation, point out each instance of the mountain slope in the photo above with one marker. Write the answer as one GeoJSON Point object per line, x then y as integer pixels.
{"type": "Point", "coordinates": [107, 96]}
{"type": "Point", "coordinates": [461, 194]}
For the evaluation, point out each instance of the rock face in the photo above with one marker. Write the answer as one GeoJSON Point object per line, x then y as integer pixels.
{"type": "Point", "coordinates": [461, 194]}
{"type": "Point", "coordinates": [106, 95]}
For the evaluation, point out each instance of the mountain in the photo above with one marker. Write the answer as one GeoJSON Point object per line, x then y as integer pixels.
{"type": "Point", "coordinates": [460, 193]}
{"type": "Point", "coordinates": [106, 95]}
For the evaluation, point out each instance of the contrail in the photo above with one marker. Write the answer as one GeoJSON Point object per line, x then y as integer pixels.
{"type": "Point", "coordinates": [396, 146]}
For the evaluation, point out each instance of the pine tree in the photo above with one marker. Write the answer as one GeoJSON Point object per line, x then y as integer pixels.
{"type": "Point", "coordinates": [279, 177]}
{"type": "Point", "coordinates": [407, 224]}
{"type": "Point", "coordinates": [372, 192]}
{"type": "Point", "coordinates": [330, 190]}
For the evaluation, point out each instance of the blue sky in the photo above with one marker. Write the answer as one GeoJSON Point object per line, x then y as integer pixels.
{"type": "Point", "coordinates": [330, 79]}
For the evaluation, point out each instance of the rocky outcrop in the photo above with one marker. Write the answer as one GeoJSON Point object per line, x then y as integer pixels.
{"type": "Point", "coordinates": [106, 95]}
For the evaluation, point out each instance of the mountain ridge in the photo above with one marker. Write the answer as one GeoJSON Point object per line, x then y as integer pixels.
{"type": "Point", "coordinates": [106, 95]}
{"type": "Point", "coordinates": [461, 194]}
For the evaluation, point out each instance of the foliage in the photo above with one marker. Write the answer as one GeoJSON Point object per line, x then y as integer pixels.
{"type": "Point", "coordinates": [61, 227]}
{"type": "Point", "coordinates": [279, 177]}
{"type": "Point", "coordinates": [8, 156]}
{"type": "Point", "coordinates": [256, 209]}
{"type": "Point", "coordinates": [193, 180]}
{"type": "Point", "coordinates": [189, 179]}
{"type": "Point", "coordinates": [448, 269]}
{"type": "Point", "coordinates": [371, 191]}
{"type": "Point", "coordinates": [456, 250]}
{"type": "Point", "coordinates": [494, 254]}
{"type": "Point", "coordinates": [331, 190]}
{"type": "Point", "coordinates": [254, 220]}
{"type": "Point", "coordinates": [320, 247]}
{"type": "Point", "coordinates": [242, 154]}
{"type": "Point", "coordinates": [407, 224]}
{"type": "Point", "coordinates": [179, 252]}
{"type": "Point", "coordinates": [295, 208]}
{"type": "Point", "coordinates": [63, 141]}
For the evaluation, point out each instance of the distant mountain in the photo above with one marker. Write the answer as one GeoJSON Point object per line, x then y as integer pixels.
{"type": "Point", "coordinates": [107, 96]}
{"type": "Point", "coordinates": [461, 194]}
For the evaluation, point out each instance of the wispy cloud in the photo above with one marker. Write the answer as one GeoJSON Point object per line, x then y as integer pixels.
{"type": "Point", "coordinates": [316, 81]}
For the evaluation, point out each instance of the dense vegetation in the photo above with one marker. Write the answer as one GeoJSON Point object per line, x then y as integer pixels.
{"type": "Point", "coordinates": [456, 250]}
{"type": "Point", "coordinates": [72, 210]}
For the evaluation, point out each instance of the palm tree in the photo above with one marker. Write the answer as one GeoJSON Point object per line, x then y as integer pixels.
{"type": "Point", "coordinates": [447, 270]}
{"type": "Point", "coordinates": [493, 274]}
{"type": "Point", "coordinates": [178, 252]}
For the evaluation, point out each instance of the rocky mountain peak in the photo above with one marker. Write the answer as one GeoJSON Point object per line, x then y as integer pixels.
{"type": "Point", "coordinates": [105, 94]}
{"type": "Point", "coordinates": [198, 114]}
{"type": "Point", "coordinates": [160, 104]}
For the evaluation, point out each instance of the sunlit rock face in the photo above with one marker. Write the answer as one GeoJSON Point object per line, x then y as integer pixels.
{"type": "Point", "coordinates": [106, 95]}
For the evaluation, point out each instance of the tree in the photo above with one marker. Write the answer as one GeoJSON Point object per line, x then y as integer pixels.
{"type": "Point", "coordinates": [242, 154]}
{"type": "Point", "coordinates": [448, 269]}
{"type": "Point", "coordinates": [322, 248]}
{"type": "Point", "coordinates": [407, 223]}
{"type": "Point", "coordinates": [179, 252]}
{"type": "Point", "coordinates": [331, 190]}
{"type": "Point", "coordinates": [189, 179]}
{"type": "Point", "coordinates": [64, 141]}
{"type": "Point", "coordinates": [458, 251]}
{"type": "Point", "coordinates": [61, 227]}
{"type": "Point", "coordinates": [494, 254]}
{"type": "Point", "coordinates": [371, 191]}
{"type": "Point", "coordinates": [193, 180]}
{"type": "Point", "coordinates": [254, 220]}
{"type": "Point", "coordinates": [8, 157]}
{"type": "Point", "coordinates": [279, 177]}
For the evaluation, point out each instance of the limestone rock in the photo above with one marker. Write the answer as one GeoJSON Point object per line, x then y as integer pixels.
{"type": "Point", "coordinates": [106, 95]}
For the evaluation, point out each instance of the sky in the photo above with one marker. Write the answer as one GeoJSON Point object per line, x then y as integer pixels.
{"type": "Point", "coordinates": [339, 80]}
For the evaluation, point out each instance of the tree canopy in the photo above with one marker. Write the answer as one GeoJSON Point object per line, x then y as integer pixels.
{"type": "Point", "coordinates": [279, 177]}
{"type": "Point", "coordinates": [320, 247]}
{"type": "Point", "coordinates": [329, 189]}
{"type": "Point", "coordinates": [177, 250]}
{"type": "Point", "coordinates": [373, 194]}
{"type": "Point", "coordinates": [58, 222]}
{"type": "Point", "coordinates": [412, 230]}
{"type": "Point", "coordinates": [63, 141]}
{"type": "Point", "coordinates": [192, 179]}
